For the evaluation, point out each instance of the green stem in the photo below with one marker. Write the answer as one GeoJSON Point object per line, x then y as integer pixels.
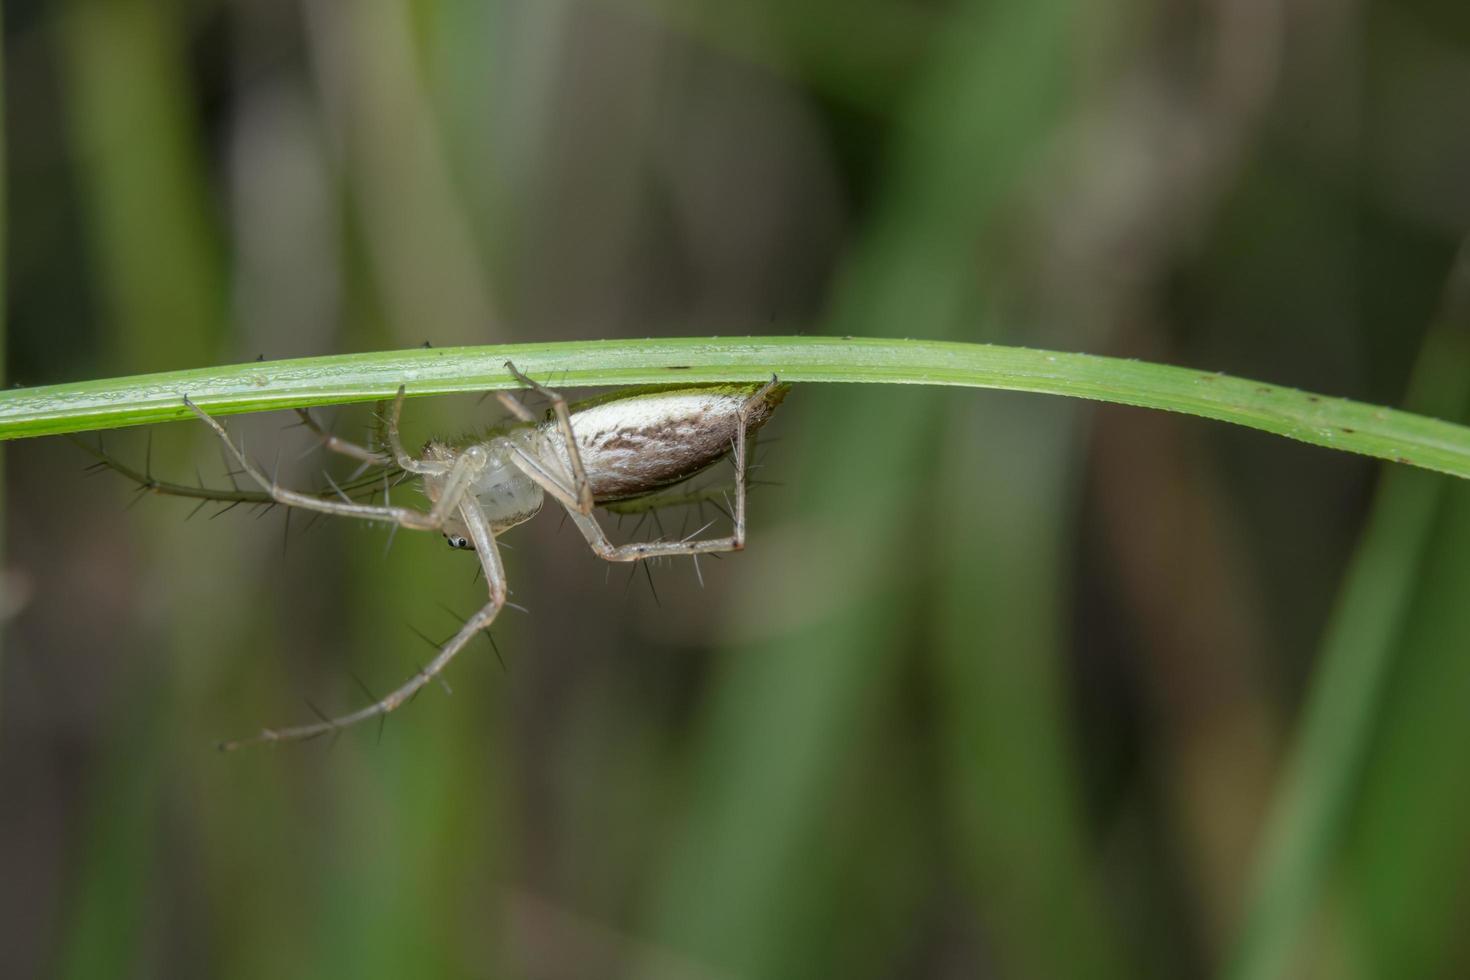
{"type": "Point", "coordinates": [1332, 422]}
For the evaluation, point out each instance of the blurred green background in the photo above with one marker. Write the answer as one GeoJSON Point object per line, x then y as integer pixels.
{"type": "Point", "coordinates": [1005, 686]}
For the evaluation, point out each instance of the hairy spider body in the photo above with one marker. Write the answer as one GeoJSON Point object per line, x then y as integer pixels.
{"type": "Point", "coordinates": [609, 450]}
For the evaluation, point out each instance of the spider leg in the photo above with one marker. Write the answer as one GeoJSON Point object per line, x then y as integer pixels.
{"type": "Point", "coordinates": [536, 468]}
{"type": "Point", "coordinates": [395, 444]}
{"type": "Point", "coordinates": [480, 533]}
{"type": "Point", "coordinates": [455, 486]}
{"type": "Point", "coordinates": [514, 406]}
{"type": "Point", "coordinates": [581, 488]}
{"type": "Point", "coordinates": [147, 483]}
{"type": "Point", "coordinates": [334, 443]}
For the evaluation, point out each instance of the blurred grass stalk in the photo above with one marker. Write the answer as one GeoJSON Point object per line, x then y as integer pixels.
{"type": "Point", "coordinates": [425, 260]}
{"type": "Point", "coordinates": [139, 152]}
{"type": "Point", "coordinates": [159, 253]}
{"type": "Point", "coordinates": [400, 914]}
{"type": "Point", "coordinates": [767, 814]}
{"type": "Point", "coordinates": [1366, 634]}
{"type": "Point", "coordinates": [1406, 854]}
{"type": "Point", "coordinates": [1011, 776]}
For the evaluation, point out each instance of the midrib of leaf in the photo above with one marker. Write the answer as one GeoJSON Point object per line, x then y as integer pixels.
{"type": "Point", "coordinates": [1335, 423]}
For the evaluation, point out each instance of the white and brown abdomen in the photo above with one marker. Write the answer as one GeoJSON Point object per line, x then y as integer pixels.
{"type": "Point", "coordinates": [637, 442]}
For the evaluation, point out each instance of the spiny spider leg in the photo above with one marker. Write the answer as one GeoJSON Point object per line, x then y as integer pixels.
{"type": "Point", "coordinates": [460, 475]}
{"type": "Point", "coordinates": [335, 443]}
{"type": "Point", "coordinates": [479, 530]}
{"type": "Point", "coordinates": [401, 457]}
{"type": "Point", "coordinates": [205, 495]}
{"type": "Point", "coordinates": [536, 469]}
{"type": "Point", "coordinates": [514, 407]}
{"type": "Point", "coordinates": [152, 485]}
{"type": "Point", "coordinates": [581, 488]}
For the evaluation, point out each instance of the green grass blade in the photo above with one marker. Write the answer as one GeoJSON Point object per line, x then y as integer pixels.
{"type": "Point", "coordinates": [142, 176]}
{"type": "Point", "coordinates": [777, 869]}
{"type": "Point", "coordinates": [1305, 828]}
{"type": "Point", "coordinates": [1012, 782]}
{"type": "Point", "coordinates": [1403, 878]}
{"type": "Point", "coordinates": [1333, 422]}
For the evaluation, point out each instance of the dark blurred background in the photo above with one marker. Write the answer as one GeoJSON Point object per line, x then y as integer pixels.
{"type": "Point", "coordinates": [1004, 685]}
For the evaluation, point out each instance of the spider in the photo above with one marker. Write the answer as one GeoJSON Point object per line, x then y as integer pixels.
{"type": "Point", "coordinates": [621, 447]}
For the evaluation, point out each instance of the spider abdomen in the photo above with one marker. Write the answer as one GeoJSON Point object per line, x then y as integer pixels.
{"type": "Point", "coordinates": [638, 443]}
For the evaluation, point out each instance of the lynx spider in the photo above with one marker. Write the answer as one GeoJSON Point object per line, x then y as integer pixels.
{"type": "Point", "coordinates": [624, 446]}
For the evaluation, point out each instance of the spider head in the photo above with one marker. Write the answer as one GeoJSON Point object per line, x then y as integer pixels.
{"type": "Point", "coordinates": [460, 541]}
{"type": "Point", "coordinates": [457, 535]}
